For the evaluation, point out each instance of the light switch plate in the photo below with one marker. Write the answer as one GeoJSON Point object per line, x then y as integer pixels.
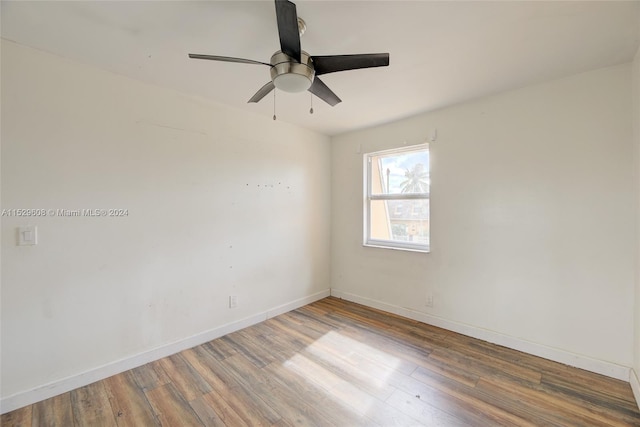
{"type": "Point", "coordinates": [28, 235]}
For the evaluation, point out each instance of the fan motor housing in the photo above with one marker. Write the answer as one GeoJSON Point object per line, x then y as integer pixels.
{"type": "Point", "coordinates": [290, 75]}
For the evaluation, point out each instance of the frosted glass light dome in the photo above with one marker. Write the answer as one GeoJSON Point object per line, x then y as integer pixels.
{"type": "Point", "coordinates": [292, 82]}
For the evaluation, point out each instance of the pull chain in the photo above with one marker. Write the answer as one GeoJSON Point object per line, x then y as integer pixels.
{"type": "Point", "coordinates": [274, 104]}
{"type": "Point", "coordinates": [311, 109]}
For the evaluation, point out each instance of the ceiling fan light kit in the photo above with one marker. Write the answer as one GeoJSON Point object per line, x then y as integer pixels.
{"type": "Point", "coordinates": [294, 70]}
{"type": "Point", "coordinates": [291, 76]}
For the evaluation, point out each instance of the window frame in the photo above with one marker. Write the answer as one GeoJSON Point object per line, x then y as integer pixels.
{"type": "Point", "coordinates": [369, 198]}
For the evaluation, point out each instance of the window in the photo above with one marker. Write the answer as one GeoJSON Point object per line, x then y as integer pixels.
{"type": "Point", "coordinates": [396, 208]}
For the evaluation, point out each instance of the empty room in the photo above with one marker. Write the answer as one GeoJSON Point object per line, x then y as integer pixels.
{"type": "Point", "coordinates": [327, 213]}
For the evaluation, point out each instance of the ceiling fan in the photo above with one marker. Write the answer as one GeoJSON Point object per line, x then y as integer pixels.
{"type": "Point", "coordinates": [294, 70]}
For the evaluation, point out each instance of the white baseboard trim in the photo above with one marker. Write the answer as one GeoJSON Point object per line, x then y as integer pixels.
{"type": "Point", "coordinates": [598, 366]}
{"type": "Point", "coordinates": [64, 385]}
{"type": "Point", "coordinates": [635, 385]}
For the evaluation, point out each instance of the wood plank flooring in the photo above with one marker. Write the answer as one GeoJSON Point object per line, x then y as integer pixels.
{"type": "Point", "coordinates": [336, 363]}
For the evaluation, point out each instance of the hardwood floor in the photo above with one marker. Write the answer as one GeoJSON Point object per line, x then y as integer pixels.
{"type": "Point", "coordinates": [335, 363]}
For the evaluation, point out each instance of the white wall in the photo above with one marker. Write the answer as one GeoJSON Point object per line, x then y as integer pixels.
{"type": "Point", "coordinates": [219, 202]}
{"type": "Point", "coordinates": [532, 203]}
{"type": "Point", "coordinates": [635, 382]}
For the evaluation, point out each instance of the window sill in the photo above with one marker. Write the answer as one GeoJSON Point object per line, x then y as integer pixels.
{"type": "Point", "coordinates": [397, 248]}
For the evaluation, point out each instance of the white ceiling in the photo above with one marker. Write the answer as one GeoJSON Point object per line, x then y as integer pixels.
{"type": "Point", "coordinates": [441, 53]}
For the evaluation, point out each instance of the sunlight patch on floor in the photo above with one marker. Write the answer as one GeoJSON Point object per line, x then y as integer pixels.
{"type": "Point", "coordinates": [363, 362]}
{"type": "Point", "coordinates": [348, 356]}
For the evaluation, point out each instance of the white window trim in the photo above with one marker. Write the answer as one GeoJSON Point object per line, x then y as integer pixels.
{"type": "Point", "coordinates": [368, 197]}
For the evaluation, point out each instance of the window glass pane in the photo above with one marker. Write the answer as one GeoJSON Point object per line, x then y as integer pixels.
{"type": "Point", "coordinates": [400, 221]}
{"type": "Point", "coordinates": [401, 173]}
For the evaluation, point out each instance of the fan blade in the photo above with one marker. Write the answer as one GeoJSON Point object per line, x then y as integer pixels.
{"type": "Point", "coordinates": [319, 89]}
{"type": "Point", "coordinates": [334, 63]}
{"type": "Point", "coordinates": [264, 90]}
{"type": "Point", "coordinates": [226, 59]}
{"type": "Point", "coordinates": [288, 28]}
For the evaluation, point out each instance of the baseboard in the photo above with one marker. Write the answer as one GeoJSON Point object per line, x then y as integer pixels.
{"type": "Point", "coordinates": [593, 365]}
{"type": "Point", "coordinates": [64, 385]}
{"type": "Point", "coordinates": [635, 385]}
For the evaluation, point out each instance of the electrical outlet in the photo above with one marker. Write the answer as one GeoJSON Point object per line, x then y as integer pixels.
{"type": "Point", "coordinates": [233, 301]}
{"type": "Point", "coordinates": [429, 300]}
